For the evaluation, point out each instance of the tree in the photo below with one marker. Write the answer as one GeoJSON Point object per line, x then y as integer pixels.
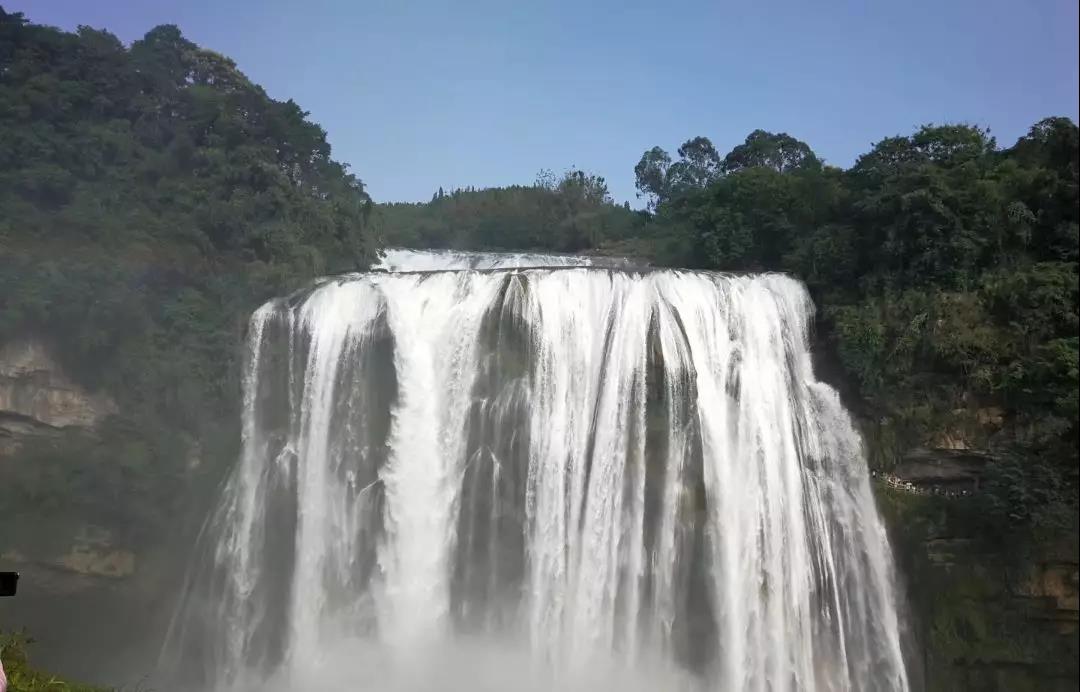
{"type": "Point", "coordinates": [745, 220]}
{"type": "Point", "coordinates": [698, 166]}
{"type": "Point", "coordinates": [943, 145]}
{"type": "Point", "coordinates": [1053, 143]}
{"type": "Point", "coordinates": [651, 176]}
{"type": "Point", "coordinates": [658, 179]}
{"type": "Point", "coordinates": [586, 187]}
{"type": "Point", "coordinates": [780, 152]}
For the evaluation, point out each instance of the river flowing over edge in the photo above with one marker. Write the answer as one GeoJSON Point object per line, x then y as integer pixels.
{"type": "Point", "coordinates": [541, 478]}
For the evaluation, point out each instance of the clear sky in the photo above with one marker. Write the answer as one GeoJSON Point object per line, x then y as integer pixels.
{"type": "Point", "coordinates": [415, 95]}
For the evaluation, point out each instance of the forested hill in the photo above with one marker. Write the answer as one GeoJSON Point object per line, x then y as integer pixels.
{"type": "Point", "coordinates": [945, 272]}
{"type": "Point", "coordinates": [567, 213]}
{"type": "Point", "coordinates": [151, 196]}
{"type": "Point", "coordinates": [164, 144]}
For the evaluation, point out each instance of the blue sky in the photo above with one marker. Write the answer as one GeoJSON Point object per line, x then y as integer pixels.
{"type": "Point", "coordinates": [417, 95]}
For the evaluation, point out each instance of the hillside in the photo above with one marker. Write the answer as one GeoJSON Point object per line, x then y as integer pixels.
{"type": "Point", "coordinates": [151, 196]}
{"type": "Point", "coordinates": [569, 213]}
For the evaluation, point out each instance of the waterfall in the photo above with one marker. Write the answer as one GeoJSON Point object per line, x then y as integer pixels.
{"type": "Point", "coordinates": [526, 472]}
{"type": "Point", "coordinates": [405, 260]}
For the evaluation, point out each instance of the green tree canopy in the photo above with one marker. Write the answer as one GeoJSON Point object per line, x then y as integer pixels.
{"type": "Point", "coordinates": [779, 152]}
{"type": "Point", "coordinates": [165, 142]}
{"type": "Point", "coordinates": [565, 213]}
{"type": "Point", "coordinates": [151, 197]}
{"type": "Point", "coordinates": [945, 270]}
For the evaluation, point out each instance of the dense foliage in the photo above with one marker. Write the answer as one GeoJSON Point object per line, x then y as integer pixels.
{"type": "Point", "coordinates": [150, 197]}
{"type": "Point", "coordinates": [163, 143]}
{"type": "Point", "coordinates": [946, 273]}
{"type": "Point", "coordinates": [564, 214]}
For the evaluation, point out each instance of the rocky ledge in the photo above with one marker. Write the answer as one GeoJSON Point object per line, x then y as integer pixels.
{"type": "Point", "coordinates": [38, 398]}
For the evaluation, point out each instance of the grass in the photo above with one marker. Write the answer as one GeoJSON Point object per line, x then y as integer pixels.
{"type": "Point", "coordinates": [22, 677]}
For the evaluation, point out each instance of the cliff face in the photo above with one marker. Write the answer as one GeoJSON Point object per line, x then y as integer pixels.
{"type": "Point", "coordinates": [38, 398]}
{"type": "Point", "coordinates": [987, 612]}
{"type": "Point", "coordinates": [983, 617]}
{"type": "Point", "coordinates": [77, 575]}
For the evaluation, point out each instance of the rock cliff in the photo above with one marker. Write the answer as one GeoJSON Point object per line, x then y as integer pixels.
{"type": "Point", "coordinates": [38, 398]}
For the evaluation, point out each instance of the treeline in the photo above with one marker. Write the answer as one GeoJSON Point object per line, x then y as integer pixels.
{"type": "Point", "coordinates": [163, 144]}
{"type": "Point", "coordinates": [566, 213]}
{"type": "Point", "coordinates": [151, 196]}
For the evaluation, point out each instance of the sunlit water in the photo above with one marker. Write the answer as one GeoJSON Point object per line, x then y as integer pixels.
{"type": "Point", "coordinates": [540, 478]}
{"type": "Point", "coordinates": [406, 260]}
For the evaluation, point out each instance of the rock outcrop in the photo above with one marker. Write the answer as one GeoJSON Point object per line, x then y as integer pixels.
{"type": "Point", "coordinates": [38, 398]}
{"type": "Point", "coordinates": [946, 468]}
{"type": "Point", "coordinates": [91, 552]}
{"type": "Point", "coordinates": [983, 619]}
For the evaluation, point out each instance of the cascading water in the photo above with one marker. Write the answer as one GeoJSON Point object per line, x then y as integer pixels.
{"type": "Point", "coordinates": [405, 260]}
{"type": "Point", "coordinates": [541, 478]}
